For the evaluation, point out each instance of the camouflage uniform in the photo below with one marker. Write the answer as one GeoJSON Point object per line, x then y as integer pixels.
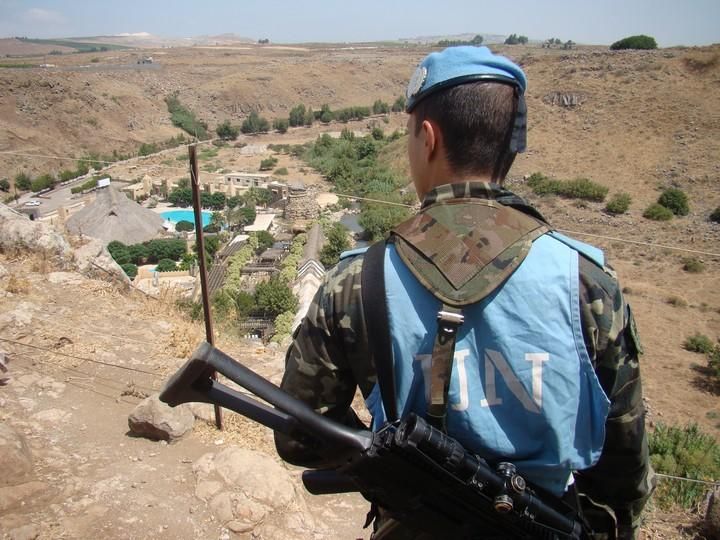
{"type": "Point", "coordinates": [329, 359]}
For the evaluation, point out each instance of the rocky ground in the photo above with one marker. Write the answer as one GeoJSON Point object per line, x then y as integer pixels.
{"type": "Point", "coordinates": [81, 354]}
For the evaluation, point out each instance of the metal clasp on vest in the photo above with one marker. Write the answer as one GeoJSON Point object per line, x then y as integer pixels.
{"type": "Point", "coordinates": [450, 318]}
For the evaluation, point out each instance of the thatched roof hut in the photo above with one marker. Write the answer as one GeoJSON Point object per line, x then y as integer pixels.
{"type": "Point", "coordinates": [112, 216]}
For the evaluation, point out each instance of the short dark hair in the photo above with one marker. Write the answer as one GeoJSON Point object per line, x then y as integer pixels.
{"type": "Point", "coordinates": [476, 120]}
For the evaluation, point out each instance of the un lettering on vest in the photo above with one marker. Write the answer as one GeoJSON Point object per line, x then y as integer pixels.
{"type": "Point", "coordinates": [494, 364]}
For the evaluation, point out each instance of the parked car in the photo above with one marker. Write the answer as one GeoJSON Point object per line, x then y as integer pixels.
{"type": "Point", "coordinates": [32, 203]}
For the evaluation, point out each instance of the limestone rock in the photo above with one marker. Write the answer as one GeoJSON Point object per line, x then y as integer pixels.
{"type": "Point", "coordinates": [69, 278]}
{"type": "Point", "coordinates": [15, 457]}
{"type": "Point", "coordinates": [26, 532]}
{"type": "Point", "coordinates": [94, 260]}
{"type": "Point", "coordinates": [243, 487]}
{"type": "Point", "coordinates": [154, 419]}
{"type": "Point", "coordinates": [14, 496]}
{"type": "Point", "coordinates": [3, 271]}
{"type": "Point", "coordinates": [20, 232]}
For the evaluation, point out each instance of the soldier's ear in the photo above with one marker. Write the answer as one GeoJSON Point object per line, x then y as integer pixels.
{"type": "Point", "coordinates": [430, 139]}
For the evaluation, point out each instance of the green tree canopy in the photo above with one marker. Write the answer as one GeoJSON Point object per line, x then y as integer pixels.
{"type": "Point", "coordinates": [640, 41]}
{"type": "Point", "coordinates": [255, 124]}
{"type": "Point", "coordinates": [182, 226]}
{"type": "Point", "coordinates": [227, 131]}
{"type": "Point", "coordinates": [336, 241]}
{"type": "Point", "coordinates": [180, 197]}
{"type": "Point", "coordinates": [274, 297]}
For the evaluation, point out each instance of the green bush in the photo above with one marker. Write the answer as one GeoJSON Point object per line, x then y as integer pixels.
{"type": "Point", "coordinates": [635, 42]}
{"type": "Point", "coordinates": [273, 297]}
{"type": "Point", "coordinates": [23, 181]}
{"type": "Point", "coordinates": [693, 265]}
{"type": "Point", "coordinates": [715, 216]}
{"type": "Point", "coordinates": [281, 125]}
{"type": "Point", "coordinates": [226, 131]}
{"type": "Point", "coordinates": [580, 188]}
{"type": "Point", "coordinates": [90, 184]}
{"type": "Point", "coordinates": [380, 107]}
{"type": "Point", "coordinates": [657, 212]}
{"type": "Point", "coordinates": [675, 200]}
{"type": "Point", "coordinates": [42, 182]}
{"type": "Point", "coordinates": [148, 148]}
{"type": "Point", "coordinates": [686, 452]}
{"type": "Point", "coordinates": [699, 343]}
{"type": "Point", "coordinates": [182, 226]}
{"type": "Point", "coordinates": [336, 241]}
{"type": "Point", "coordinates": [399, 104]}
{"type": "Point", "coordinates": [166, 265]}
{"type": "Point", "coordinates": [269, 163]}
{"type": "Point", "coordinates": [619, 204]}
{"type": "Point", "coordinates": [297, 116]}
{"type": "Point", "coordinates": [255, 124]}
{"type": "Point", "coordinates": [184, 118]}
{"type": "Point", "coordinates": [4, 185]}
{"type": "Point", "coordinates": [130, 270]}
{"type": "Point", "coordinates": [282, 171]}
{"type": "Point", "coordinates": [714, 363]}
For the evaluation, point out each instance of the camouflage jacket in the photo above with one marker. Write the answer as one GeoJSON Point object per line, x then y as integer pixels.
{"type": "Point", "coordinates": [329, 359]}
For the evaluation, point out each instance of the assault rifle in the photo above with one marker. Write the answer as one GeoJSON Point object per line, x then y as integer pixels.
{"type": "Point", "coordinates": [416, 473]}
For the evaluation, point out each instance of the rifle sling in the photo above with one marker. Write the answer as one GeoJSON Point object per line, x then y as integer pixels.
{"type": "Point", "coordinates": [374, 305]}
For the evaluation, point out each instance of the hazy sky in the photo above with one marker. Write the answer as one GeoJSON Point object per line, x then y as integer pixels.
{"type": "Point", "coordinates": [671, 22]}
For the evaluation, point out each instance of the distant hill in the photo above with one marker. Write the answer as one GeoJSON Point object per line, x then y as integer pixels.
{"type": "Point", "coordinates": [488, 39]}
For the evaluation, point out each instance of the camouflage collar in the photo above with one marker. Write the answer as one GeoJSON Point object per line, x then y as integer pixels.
{"type": "Point", "coordinates": [479, 190]}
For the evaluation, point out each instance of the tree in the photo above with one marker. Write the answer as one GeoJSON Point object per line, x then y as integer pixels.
{"type": "Point", "coordinates": [280, 125]}
{"type": "Point", "coordinates": [265, 240]}
{"type": "Point", "coordinates": [512, 39]}
{"type": "Point", "coordinates": [119, 252]}
{"type": "Point", "coordinates": [676, 201]}
{"type": "Point", "coordinates": [258, 197]}
{"type": "Point", "coordinates": [166, 265]}
{"type": "Point", "coordinates": [226, 131]}
{"type": "Point", "coordinates": [180, 197]}
{"type": "Point", "coordinates": [380, 107]}
{"type": "Point", "coordinates": [635, 42]}
{"type": "Point", "coordinates": [246, 215]}
{"type": "Point", "coordinates": [399, 104]}
{"type": "Point", "coordinates": [297, 115]}
{"type": "Point", "coordinates": [165, 248]}
{"type": "Point", "coordinates": [255, 124]}
{"type": "Point", "coordinates": [244, 303]}
{"type": "Point", "coordinates": [42, 182]}
{"type": "Point", "coordinates": [274, 297]}
{"type": "Point", "coordinates": [268, 163]}
{"type": "Point", "coordinates": [183, 226]}
{"type": "Point", "coordinates": [233, 201]}
{"type": "Point", "coordinates": [522, 40]}
{"type": "Point", "coordinates": [130, 270]}
{"type": "Point", "coordinates": [335, 243]}
{"type": "Point", "coordinates": [326, 115]}
{"type": "Point", "coordinates": [309, 117]}
{"type": "Point", "coordinates": [377, 133]}
{"type": "Point", "coordinates": [138, 253]}
{"type": "Point", "coordinates": [23, 181]}
{"type": "Point", "coordinates": [378, 219]}
{"type": "Point", "coordinates": [4, 185]}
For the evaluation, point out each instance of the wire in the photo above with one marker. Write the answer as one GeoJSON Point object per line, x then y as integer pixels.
{"type": "Point", "coordinates": [389, 203]}
{"type": "Point", "coordinates": [640, 243]}
{"type": "Point", "coordinates": [80, 357]}
{"type": "Point", "coordinates": [713, 483]}
{"type": "Point", "coordinates": [75, 370]}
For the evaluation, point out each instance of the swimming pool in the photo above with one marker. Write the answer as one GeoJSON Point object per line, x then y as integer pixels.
{"type": "Point", "coordinates": [186, 215]}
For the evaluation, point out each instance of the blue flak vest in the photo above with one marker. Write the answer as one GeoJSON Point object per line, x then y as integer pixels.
{"type": "Point", "coordinates": [522, 387]}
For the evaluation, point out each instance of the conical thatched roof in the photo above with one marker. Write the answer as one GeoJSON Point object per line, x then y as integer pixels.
{"type": "Point", "coordinates": [113, 216]}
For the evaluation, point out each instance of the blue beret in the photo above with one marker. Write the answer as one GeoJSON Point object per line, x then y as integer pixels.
{"type": "Point", "coordinates": [459, 65]}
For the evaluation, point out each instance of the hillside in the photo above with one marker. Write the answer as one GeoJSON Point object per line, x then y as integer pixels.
{"type": "Point", "coordinates": [636, 122]}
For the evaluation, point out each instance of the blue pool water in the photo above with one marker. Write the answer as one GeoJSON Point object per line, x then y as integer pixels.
{"type": "Point", "coordinates": [186, 215]}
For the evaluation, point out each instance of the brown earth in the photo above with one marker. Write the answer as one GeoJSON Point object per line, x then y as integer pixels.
{"type": "Point", "coordinates": [643, 121]}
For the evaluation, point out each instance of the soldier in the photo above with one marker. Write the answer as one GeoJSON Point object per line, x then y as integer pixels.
{"type": "Point", "coordinates": [513, 338]}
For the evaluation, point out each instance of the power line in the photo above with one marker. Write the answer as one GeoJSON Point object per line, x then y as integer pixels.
{"type": "Point", "coordinates": [640, 243]}
{"type": "Point", "coordinates": [713, 483]}
{"type": "Point", "coordinates": [80, 357]}
{"type": "Point", "coordinates": [389, 203]}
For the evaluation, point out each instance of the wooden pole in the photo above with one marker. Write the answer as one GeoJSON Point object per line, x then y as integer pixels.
{"type": "Point", "coordinates": [200, 242]}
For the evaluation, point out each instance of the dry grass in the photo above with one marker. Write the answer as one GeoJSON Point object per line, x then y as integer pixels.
{"type": "Point", "coordinates": [17, 284]}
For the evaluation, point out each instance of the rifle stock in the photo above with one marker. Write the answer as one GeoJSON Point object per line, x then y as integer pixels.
{"type": "Point", "coordinates": [421, 476]}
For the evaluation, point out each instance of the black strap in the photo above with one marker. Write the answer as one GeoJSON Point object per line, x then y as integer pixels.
{"type": "Point", "coordinates": [374, 304]}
